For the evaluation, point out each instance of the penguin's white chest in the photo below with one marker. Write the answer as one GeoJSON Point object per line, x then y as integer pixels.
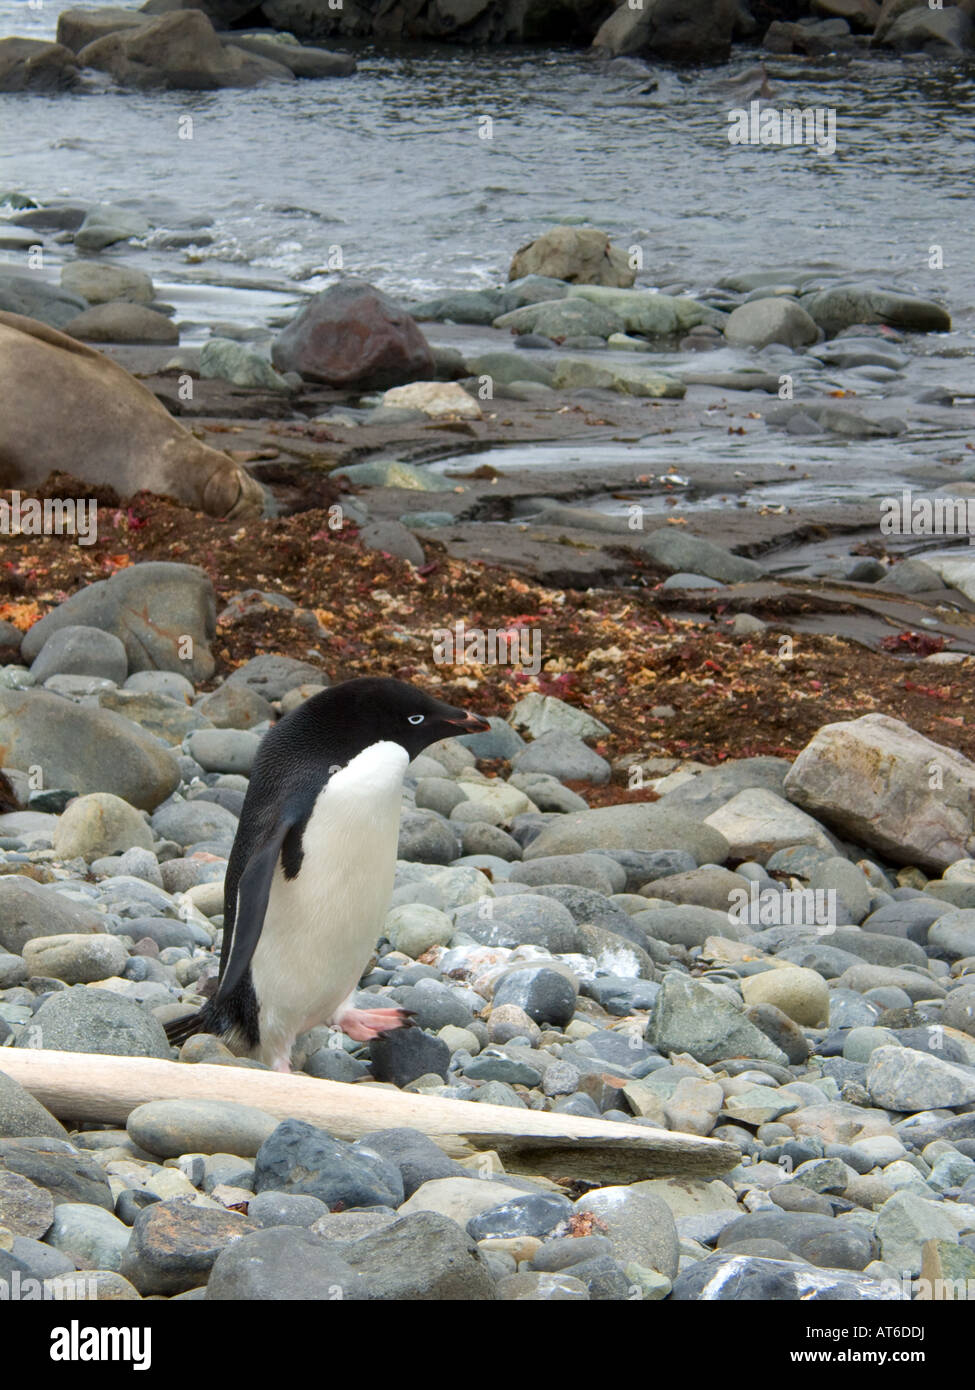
{"type": "Point", "coordinates": [321, 926]}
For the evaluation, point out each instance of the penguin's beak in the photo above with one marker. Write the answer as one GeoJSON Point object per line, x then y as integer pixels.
{"type": "Point", "coordinates": [465, 723]}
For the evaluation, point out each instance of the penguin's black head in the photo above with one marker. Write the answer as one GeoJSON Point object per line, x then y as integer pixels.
{"type": "Point", "coordinates": [375, 708]}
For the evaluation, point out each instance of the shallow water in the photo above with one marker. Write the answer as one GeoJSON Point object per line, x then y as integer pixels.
{"type": "Point", "coordinates": [389, 166]}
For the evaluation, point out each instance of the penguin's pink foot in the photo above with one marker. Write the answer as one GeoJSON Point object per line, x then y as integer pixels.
{"type": "Point", "coordinates": [282, 1064]}
{"type": "Point", "coordinates": [362, 1024]}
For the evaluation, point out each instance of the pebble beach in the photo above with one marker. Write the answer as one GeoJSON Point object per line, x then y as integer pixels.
{"type": "Point", "coordinates": [773, 953]}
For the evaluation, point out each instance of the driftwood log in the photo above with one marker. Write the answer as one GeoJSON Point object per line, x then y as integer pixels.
{"type": "Point", "coordinates": [80, 1086]}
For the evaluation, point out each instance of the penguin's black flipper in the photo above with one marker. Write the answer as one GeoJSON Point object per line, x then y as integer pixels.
{"type": "Point", "coordinates": [253, 891]}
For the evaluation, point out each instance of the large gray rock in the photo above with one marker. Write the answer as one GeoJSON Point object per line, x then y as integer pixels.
{"type": "Point", "coordinates": [25, 1210]}
{"type": "Point", "coordinates": [650, 314]}
{"type": "Point", "coordinates": [100, 824]}
{"type": "Point", "coordinates": [904, 1223]}
{"type": "Point", "coordinates": [596, 871]}
{"type": "Point", "coordinates": [542, 714]}
{"type": "Point", "coordinates": [81, 1019]}
{"type": "Point", "coordinates": [820, 1239]}
{"type": "Point", "coordinates": [85, 750]}
{"type": "Point", "coordinates": [168, 718]}
{"type": "Point", "coordinates": [642, 826]}
{"type": "Point", "coordinates": [709, 887]}
{"type": "Point", "coordinates": [235, 705]}
{"type": "Point", "coordinates": [22, 1117]}
{"type": "Point", "coordinates": [418, 1158]}
{"type": "Point", "coordinates": [911, 577]}
{"type": "Point", "coordinates": [508, 367]}
{"type": "Point", "coordinates": [910, 917]}
{"type": "Point", "coordinates": [900, 1078]}
{"type": "Point", "coordinates": [224, 750]}
{"type": "Point", "coordinates": [764, 321]}
{"type": "Point", "coordinates": [105, 224]}
{"type": "Point", "coordinates": [933, 30]}
{"type": "Point", "coordinates": [225, 360]}
{"type": "Point", "coordinates": [169, 1128]}
{"type": "Point", "coordinates": [881, 784]}
{"type": "Point", "coordinates": [523, 919]}
{"type": "Point", "coordinates": [36, 65]}
{"type": "Point", "coordinates": [302, 60]}
{"type": "Point", "coordinates": [24, 292]}
{"type": "Point", "coordinates": [81, 651]}
{"type": "Point", "coordinates": [686, 924]}
{"type": "Point", "coordinates": [92, 1236]}
{"type": "Point", "coordinates": [682, 554]}
{"type": "Point", "coordinates": [590, 374]}
{"type": "Point", "coordinates": [729, 1277]}
{"type": "Point", "coordinates": [461, 306]}
{"type": "Point", "coordinates": [423, 1256]}
{"type": "Point", "coordinates": [844, 305]}
{"type": "Point", "coordinates": [757, 824]}
{"type": "Point", "coordinates": [716, 786]}
{"type": "Point", "coordinates": [77, 958]}
{"type": "Point", "coordinates": [179, 51]}
{"type": "Point", "coordinates": [272, 676]}
{"type": "Point", "coordinates": [861, 15]}
{"type": "Point", "coordinates": [174, 1245]}
{"type": "Point", "coordinates": [563, 756]}
{"type": "Point", "coordinates": [29, 910]}
{"type": "Point", "coordinates": [164, 614]}
{"type": "Point", "coordinates": [193, 822]}
{"type": "Point", "coordinates": [954, 934]}
{"type": "Point", "coordinates": [304, 1160]}
{"type": "Point", "coordinates": [959, 1009]}
{"type": "Point", "coordinates": [354, 336]}
{"type": "Point", "coordinates": [102, 284]}
{"type": "Point", "coordinates": [123, 323]}
{"type": "Point", "coordinates": [958, 573]}
{"type": "Point", "coordinates": [426, 838]}
{"type": "Point", "coordinates": [682, 31]}
{"type": "Point", "coordinates": [562, 318]}
{"type": "Point", "coordinates": [391, 537]}
{"type": "Point", "coordinates": [890, 12]}
{"type": "Point", "coordinates": [76, 28]}
{"type": "Point", "coordinates": [284, 1262]}
{"type": "Point", "coordinates": [639, 1224]}
{"type": "Point", "coordinates": [706, 1022]}
{"type": "Point", "coordinates": [58, 1167]}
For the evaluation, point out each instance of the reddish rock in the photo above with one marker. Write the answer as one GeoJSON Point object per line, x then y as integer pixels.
{"type": "Point", "coordinates": [352, 335]}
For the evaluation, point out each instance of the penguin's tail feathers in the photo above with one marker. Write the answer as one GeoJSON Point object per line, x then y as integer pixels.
{"type": "Point", "coordinates": [179, 1029]}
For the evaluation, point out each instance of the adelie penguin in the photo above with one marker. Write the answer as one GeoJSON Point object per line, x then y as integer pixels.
{"type": "Point", "coordinates": [310, 875]}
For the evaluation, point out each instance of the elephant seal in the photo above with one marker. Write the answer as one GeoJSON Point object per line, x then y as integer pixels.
{"type": "Point", "coordinates": [69, 409]}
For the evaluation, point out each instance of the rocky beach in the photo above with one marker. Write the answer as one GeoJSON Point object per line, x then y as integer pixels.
{"type": "Point", "coordinates": [686, 517]}
{"type": "Point", "coordinates": [770, 951]}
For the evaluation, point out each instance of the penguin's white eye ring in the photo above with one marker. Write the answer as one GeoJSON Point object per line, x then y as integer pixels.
{"type": "Point", "coordinates": [415, 718]}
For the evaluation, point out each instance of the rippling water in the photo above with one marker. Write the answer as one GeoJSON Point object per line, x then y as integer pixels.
{"type": "Point", "coordinates": [389, 166]}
